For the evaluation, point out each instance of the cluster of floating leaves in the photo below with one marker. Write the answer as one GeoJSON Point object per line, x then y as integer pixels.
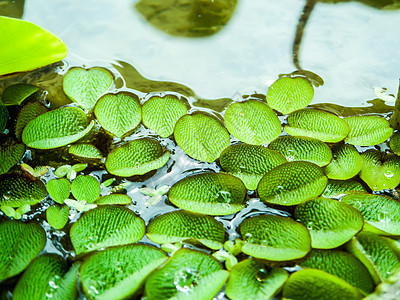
{"type": "Point", "coordinates": [333, 193]}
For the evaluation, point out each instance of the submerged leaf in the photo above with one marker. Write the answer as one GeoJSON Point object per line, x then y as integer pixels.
{"type": "Point", "coordinates": [16, 191]}
{"type": "Point", "coordinates": [201, 136]}
{"type": "Point", "coordinates": [20, 243]}
{"type": "Point", "coordinates": [209, 193]}
{"type": "Point", "coordinates": [3, 116]}
{"type": "Point", "coordinates": [86, 86]}
{"type": "Point", "coordinates": [106, 226]}
{"type": "Point", "coordinates": [17, 93]}
{"type": "Point", "coordinates": [252, 122]}
{"type": "Point", "coordinates": [181, 225]}
{"type": "Point", "coordinates": [161, 114]}
{"type": "Point", "coordinates": [10, 154]}
{"type": "Point", "coordinates": [190, 273]}
{"type": "Point", "coordinates": [274, 238]}
{"type": "Point", "coordinates": [119, 272]}
{"type": "Point", "coordinates": [289, 94]}
{"type": "Point", "coordinates": [25, 46]}
{"type": "Point", "coordinates": [136, 158]}
{"type": "Point", "coordinates": [56, 128]}
{"type": "Point", "coordinates": [119, 113]}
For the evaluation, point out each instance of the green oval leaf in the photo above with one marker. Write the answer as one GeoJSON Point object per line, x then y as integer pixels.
{"type": "Point", "coordinates": [380, 170]}
{"type": "Point", "coordinates": [313, 284]}
{"type": "Point", "coordinates": [26, 46]}
{"type": "Point", "coordinates": [59, 189]}
{"type": "Point", "coordinates": [118, 273]}
{"type": "Point", "coordinates": [10, 154]}
{"type": "Point", "coordinates": [87, 151]}
{"type": "Point", "coordinates": [138, 157]}
{"type": "Point", "coordinates": [251, 279]}
{"type": "Point", "coordinates": [375, 253]}
{"type": "Point", "coordinates": [57, 216]}
{"type": "Point", "coordinates": [395, 143]}
{"type": "Point", "coordinates": [86, 86]}
{"type": "Point", "coordinates": [343, 265]}
{"type": "Point", "coordinates": [17, 93]}
{"type": "Point", "coordinates": [381, 213]}
{"type": "Point", "coordinates": [289, 94]}
{"type": "Point", "coordinates": [106, 226]}
{"type": "Point", "coordinates": [317, 124]}
{"type": "Point", "coordinates": [43, 279]}
{"type": "Point", "coordinates": [19, 244]}
{"type": "Point", "coordinates": [209, 193]}
{"type": "Point", "coordinates": [339, 188]}
{"type": "Point", "coordinates": [274, 238]}
{"type": "Point", "coordinates": [249, 162]}
{"type": "Point", "coordinates": [296, 148]}
{"type": "Point", "coordinates": [201, 137]}
{"type": "Point", "coordinates": [27, 113]}
{"type": "Point", "coordinates": [331, 223]}
{"type": "Point", "coordinates": [56, 128]}
{"type": "Point", "coordinates": [368, 130]}
{"type": "Point", "coordinates": [86, 188]}
{"type": "Point", "coordinates": [181, 225]}
{"type": "Point", "coordinates": [252, 122]}
{"type": "Point", "coordinates": [291, 183]}
{"type": "Point", "coordinates": [161, 114]}
{"type": "Point", "coordinates": [346, 162]}
{"type": "Point", "coordinates": [114, 199]}
{"type": "Point", "coordinates": [119, 113]}
{"type": "Point", "coordinates": [190, 274]}
{"type": "Point", "coordinates": [16, 191]}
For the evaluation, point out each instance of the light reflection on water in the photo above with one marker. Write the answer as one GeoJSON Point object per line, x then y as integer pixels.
{"type": "Point", "coordinates": [353, 47]}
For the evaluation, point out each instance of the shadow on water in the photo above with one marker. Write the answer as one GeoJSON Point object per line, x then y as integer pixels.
{"type": "Point", "coordinates": [193, 18]}
{"type": "Point", "coordinates": [12, 8]}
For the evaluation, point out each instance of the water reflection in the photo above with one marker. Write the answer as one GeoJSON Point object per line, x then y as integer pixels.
{"type": "Point", "coordinates": [187, 18]}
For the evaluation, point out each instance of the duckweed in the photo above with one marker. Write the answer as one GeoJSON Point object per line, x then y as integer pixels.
{"type": "Point", "coordinates": [242, 199]}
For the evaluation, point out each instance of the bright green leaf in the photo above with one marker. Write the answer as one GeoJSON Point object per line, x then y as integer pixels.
{"type": "Point", "coordinates": [86, 188]}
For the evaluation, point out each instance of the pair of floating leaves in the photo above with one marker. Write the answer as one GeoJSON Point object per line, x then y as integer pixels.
{"type": "Point", "coordinates": [119, 113]}
{"type": "Point", "coordinates": [16, 191]}
{"type": "Point", "coordinates": [188, 273]}
{"type": "Point", "coordinates": [296, 148]}
{"type": "Point", "coordinates": [57, 216]}
{"type": "Point", "coordinates": [201, 137]}
{"type": "Point", "coordinates": [86, 86]}
{"type": "Point", "coordinates": [27, 113]}
{"type": "Point", "coordinates": [289, 94]}
{"type": "Point", "coordinates": [17, 93]}
{"type": "Point", "coordinates": [375, 253]}
{"type": "Point", "coordinates": [331, 223]}
{"type": "Point", "coordinates": [86, 188]}
{"type": "Point", "coordinates": [59, 189]}
{"type": "Point", "coordinates": [313, 284]}
{"type": "Point", "coordinates": [380, 170]}
{"type": "Point", "coordinates": [249, 162]}
{"type": "Point", "coordinates": [119, 272]}
{"type": "Point", "coordinates": [291, 183]}
{"type": "Point", "coordinates": [25, 46]}
{"type": "Point", "coordinates": [339, 188]}
{"type": "Point", "coordinates": [275, 238]}
{"type": "Point", "coordinates": [137, 158]}
{"type": "Point", "coordinates": [106, 226]}
{"type": "Point", "coordinates": [251, 279]}
{"type": "Point", "coordinates": [343, 265]}
{"type": "Point", "coordinates": [10, 154]}
{"type": "Point", "coordinates": [181, 225]}
{"type": "Point", "coordinates": [346, 162]}
{"type": "Point", "coordinates": [162, 113]}
{"type": "Point", "coordinates": [252, 122]}
{"type": "Point", "coordinates": [368, 130]}
{"type": "Point", "coordinates": [20, 243]}
{"type": "Point", "coordinates": [381, 213]}
{"type": "Point", "coordinates": [47, 277]}
{"type": "Point", "coordinates": [209, 193]}
{"type": "Point", "coordinates": [56, 128]}
{"type": "Point", "coordinates": [317, 124]}
{"type": "Point", "coordinates": [85, 151]}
